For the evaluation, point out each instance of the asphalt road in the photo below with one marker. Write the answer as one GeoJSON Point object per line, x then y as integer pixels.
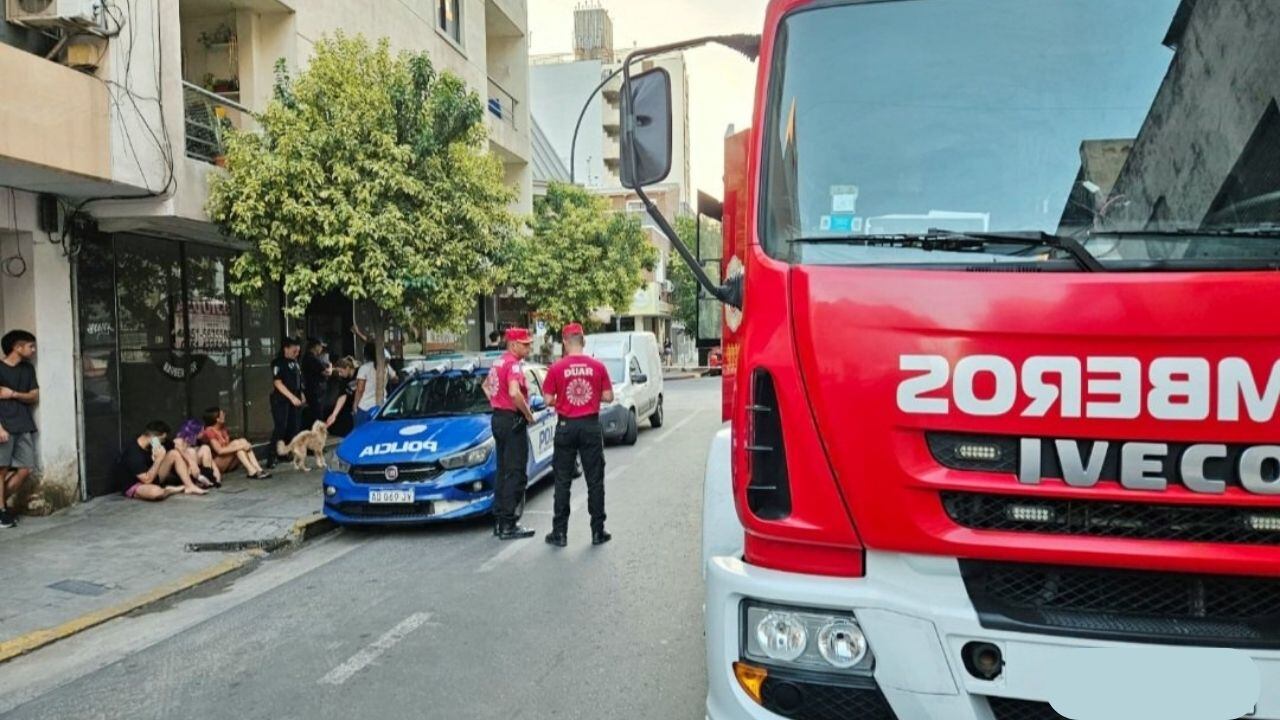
{"type": "Point", "coordinates": [443, 622]}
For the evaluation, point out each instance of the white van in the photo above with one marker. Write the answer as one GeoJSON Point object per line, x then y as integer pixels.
{"type": "Point", "coordinates": [635, 367]}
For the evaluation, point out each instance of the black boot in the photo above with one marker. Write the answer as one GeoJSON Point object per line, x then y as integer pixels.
{"type": "Point", "coordinates": [559, 539]}
{"type": "Point", "coordinates": [512, 530]}
{"type": "Point", "coordinates": [600, 537]}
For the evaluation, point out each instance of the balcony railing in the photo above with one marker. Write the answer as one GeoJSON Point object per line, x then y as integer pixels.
{"type": "Point", "coordinates": [503, 104]}
{"type": "Point", "coordinates": [209, 117]}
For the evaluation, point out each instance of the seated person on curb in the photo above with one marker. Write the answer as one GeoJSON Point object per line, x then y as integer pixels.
{"type": "Point", "coordinates": [229, 454]}
{"type": "Point", "coordinates": [145, 465]}
{"type": "Point", "coordinates": [199, 456]}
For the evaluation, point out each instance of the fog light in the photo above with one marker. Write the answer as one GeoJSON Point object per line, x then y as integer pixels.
{"type": "Point", "coordinates": [1265, 523]}
{"type": "Point", "coordinates": [782, 636]}
{"type": "Point", "coordinates": [1029, 513]}
{"type": "Point", "coordinates": [477, 486]}
{"type": "Point", "coordinates": [983, 660]}
{"type": "Point", "coordinates": [842, 644]}
{"type": "Point", "coordinates": [976, 451]}
{"type": "Point", "coordinates": [751, 678]}
{"type": "Point", "coordinates": [330, 491]}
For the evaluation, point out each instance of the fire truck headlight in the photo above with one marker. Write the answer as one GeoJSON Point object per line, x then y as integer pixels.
{"type": "Point", "coordinates": [842, 644]}
{"type": "Point", "coordinates": [811, 639]}
{"type": "Point", "coordinates": [781, 636]}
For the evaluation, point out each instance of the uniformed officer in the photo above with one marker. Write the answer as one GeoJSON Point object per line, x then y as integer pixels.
{"type": "Point", "coordinates": [287, 398]}
{"type": "Point", "coordinates": [576, 385]}
{"type": "Point", "coordinates": [508, 393]}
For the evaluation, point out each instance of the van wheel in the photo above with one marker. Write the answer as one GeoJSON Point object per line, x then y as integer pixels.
{"type": "Point", "coordinates": [633, 430]}
{"type": "Point", "coordinates": [655, 420]}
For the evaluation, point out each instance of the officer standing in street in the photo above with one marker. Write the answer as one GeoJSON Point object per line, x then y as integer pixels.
{"type": "Point", "coordinates": [508, 394]}
{"type": "Point", "coordinates": [576, 385]}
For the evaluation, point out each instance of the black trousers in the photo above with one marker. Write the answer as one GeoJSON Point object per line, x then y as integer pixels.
{"type": "Point", "coordinates": [286, 422]}
{"type": "Point", "coordinates": [511, 441]}
{"type": "Point", "coordinates": [579, 437]}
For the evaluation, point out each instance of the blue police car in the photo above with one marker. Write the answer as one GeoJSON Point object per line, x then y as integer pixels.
{"type": "Point", "coordinates": [428, 454]}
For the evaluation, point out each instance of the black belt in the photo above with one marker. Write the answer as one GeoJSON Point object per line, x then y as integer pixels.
{"type": "Point", "coordinates": [592, 418]}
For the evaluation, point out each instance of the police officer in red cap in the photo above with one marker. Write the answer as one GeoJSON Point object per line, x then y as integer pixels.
{"type": "Point", "coordinates": [508, 393]}
{"type": "Point", "coordinates": [576, 385]}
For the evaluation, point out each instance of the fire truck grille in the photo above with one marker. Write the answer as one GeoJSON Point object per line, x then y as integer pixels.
{"type": "Point", "coordinates": [803, 700]}
{"type": "Point", "coordinates": [1137, 521]}
{"type": "Point", "coordinates": [1125, 605]}
{"type": "Point", "coordinates": [1006, 709]}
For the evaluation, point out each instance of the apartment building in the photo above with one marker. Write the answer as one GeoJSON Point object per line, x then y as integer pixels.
{"type": "Point", "coordinates": [111, 122]}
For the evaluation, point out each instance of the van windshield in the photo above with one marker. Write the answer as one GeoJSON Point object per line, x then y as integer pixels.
{"type": "Point", "coordinates": [980, 131]}
{"type": "Point", "coordinates": [617, 369]}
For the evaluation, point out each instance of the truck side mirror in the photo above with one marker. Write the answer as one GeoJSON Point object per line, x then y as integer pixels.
{"type": "Point", "coordinates": [639, 379]}
{"type": "Point", "coordinates": [646, 129]}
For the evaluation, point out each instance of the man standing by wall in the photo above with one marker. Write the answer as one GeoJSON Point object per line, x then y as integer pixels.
{"type": "Point", "coordinates": [18, 394]}
{"type": "Point", "coordinates": [576, 385]}
{"type": "Point", "coordinates": [287, 399]}
{"type": "Point", "coordinates": [509, 396]}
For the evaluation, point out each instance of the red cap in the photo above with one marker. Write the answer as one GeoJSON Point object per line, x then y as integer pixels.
{"type": "Point", "coordinates": [572, 329]}
{"type": "Point", "coordinates": [520, 335]}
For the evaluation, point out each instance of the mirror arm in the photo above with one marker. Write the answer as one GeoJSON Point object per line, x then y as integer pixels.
{"type": "Point", "coordinates": [730, 293]}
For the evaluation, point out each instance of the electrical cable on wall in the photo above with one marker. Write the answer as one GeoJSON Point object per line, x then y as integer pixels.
{"type": "Point", "coordinates": [15, 266]}
{"type": "Point", "coordinates": [118, 93]}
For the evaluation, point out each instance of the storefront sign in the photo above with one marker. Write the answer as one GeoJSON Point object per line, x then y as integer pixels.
{"type": "Point", "coordinates": [179, 366]}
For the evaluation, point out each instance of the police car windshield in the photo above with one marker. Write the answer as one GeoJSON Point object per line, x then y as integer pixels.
{"type": "Point", "coordinates": [437, 396]}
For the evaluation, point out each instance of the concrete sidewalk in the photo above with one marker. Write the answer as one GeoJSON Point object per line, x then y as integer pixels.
{"type": "Point", "coordinates": [107, 557]}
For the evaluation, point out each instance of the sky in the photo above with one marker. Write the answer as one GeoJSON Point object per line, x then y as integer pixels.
{"type": "Point", "coordinates": [721, 82]}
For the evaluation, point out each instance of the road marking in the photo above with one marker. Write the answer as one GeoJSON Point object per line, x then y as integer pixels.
{"type": "Point", "coordinates": [677, 426]}
{"type": "Point", "coordinates": [515, 546]}
{"type": "Point", "coordinates": [362, 659]}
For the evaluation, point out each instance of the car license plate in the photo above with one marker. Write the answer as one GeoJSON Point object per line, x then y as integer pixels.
{"type": "Point", "coordinates": [391, 497]}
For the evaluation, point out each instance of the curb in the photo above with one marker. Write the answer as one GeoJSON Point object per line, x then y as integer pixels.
{"type": "Point", "coordinates": [37, 639]}
{"type": "Point", "coordinates": [303, 530]}
{"type": "Point", "coordinates": [250, 552]}
{"type": "Point", "coordinates": [682, 376]}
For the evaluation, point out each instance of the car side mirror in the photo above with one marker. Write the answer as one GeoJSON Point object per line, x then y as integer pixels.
{"type": "Point", "coordinates": [538, 403]}
{"type": "Point", "coordinates": [639, 379]}
{"type": "Point", "coordinates": [646, 129]}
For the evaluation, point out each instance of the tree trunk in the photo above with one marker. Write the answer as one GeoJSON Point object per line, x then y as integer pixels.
{"type": "Point", "coordinates": [379, 332]}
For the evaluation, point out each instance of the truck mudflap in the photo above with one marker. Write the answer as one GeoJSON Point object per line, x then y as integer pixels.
{"type": "Point", "coordinates": [920, 624]}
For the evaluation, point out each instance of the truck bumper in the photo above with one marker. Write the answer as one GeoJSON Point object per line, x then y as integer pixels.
{"type": "Point", "coordinates": [917, 617]}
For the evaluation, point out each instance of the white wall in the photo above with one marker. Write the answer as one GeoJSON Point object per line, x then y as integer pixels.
{"type": "Point", "coordinates": [39, 300]}
{"type": "Point", "coordinates": [558, 93]}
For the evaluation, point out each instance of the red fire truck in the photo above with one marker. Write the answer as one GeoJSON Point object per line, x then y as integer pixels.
{"type": "Point", "coordinates": [1001, 361]}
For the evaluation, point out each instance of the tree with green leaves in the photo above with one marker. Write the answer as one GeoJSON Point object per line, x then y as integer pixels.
{"type": "Point", "coordinates": [581, 257]}
{"type": "Point", "coordinates": [368, 175]}
{"type": "Point", "coordinates": [684, 296]}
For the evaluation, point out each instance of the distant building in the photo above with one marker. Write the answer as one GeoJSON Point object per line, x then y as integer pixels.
{"type": "Point", "coordinates": [1209, 150]}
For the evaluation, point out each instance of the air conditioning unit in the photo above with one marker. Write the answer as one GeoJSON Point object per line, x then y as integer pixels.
{"type": "Point", "coordinates": [44, 13]}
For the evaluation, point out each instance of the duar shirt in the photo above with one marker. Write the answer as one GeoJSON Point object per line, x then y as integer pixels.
{"type": "Point", "coordinates": [507, 368]}
{"type": "Point", "coordinates": [578, 382]}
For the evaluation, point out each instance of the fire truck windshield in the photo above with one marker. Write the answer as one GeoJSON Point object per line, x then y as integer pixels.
{"type": "Point", "coordinates": [891, 123]}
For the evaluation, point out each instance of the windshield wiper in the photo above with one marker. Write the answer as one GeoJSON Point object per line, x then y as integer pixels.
{"type": "Point", "coordinates": [1259, 232]}
{"type": "Point", "coordinates": [948, 240]}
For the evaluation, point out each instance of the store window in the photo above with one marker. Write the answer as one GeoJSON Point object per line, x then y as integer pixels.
{"type": "Point", "coordinates": [99, 360]}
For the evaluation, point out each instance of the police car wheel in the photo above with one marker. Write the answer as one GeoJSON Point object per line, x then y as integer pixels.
{"type": "Point", "coordinates": [655, 420]}
{"type": "Point", "coordinates": [633, 430]}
